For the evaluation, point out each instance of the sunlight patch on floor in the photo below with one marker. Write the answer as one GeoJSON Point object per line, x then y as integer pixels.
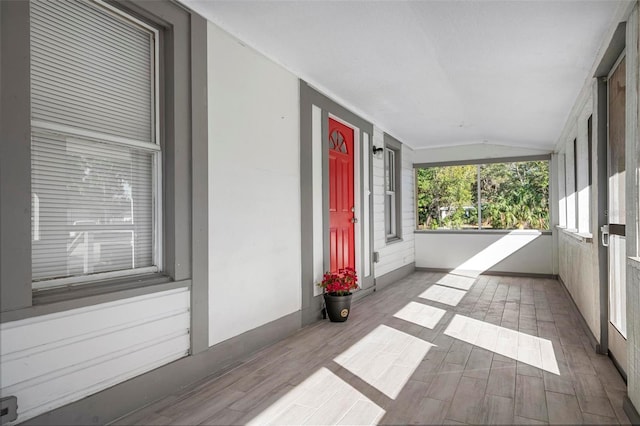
{"type": "Point", "coordinates": [385, 358]}
{"type": "Point", "coordinates": [446, 295]}
{"type": "Point", "coordinates": [462, 281]}
{"type": "Point", "coordinates": [532, 350]}
{"type": "Point", "coordinates": [323, 398]}
{"type": "Point", "coordinates": [421, 314]}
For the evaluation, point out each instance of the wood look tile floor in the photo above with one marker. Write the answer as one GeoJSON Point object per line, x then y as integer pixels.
{"type": "Point", "coordinates": [497, 350]}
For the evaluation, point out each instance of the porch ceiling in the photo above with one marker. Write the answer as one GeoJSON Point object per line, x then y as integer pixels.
{"type": "Point", "coordinates": [434, 73]}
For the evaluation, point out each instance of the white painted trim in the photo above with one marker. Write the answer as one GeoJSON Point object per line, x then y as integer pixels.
{"type": "Point", "coordinates": [538, 150]}
{"type": "Point", "coordinates": [158, 248]}
{"type": "Point", "coordinates": [366, 148]}
{"type": "Point", "coordinates": [357, 203]}
{"type": "Point", "coordinates": [318, 225]}
{"type": "Point", "coordinates": [121, 14]}
{"type": "Point", "coordinates": [69, 132]}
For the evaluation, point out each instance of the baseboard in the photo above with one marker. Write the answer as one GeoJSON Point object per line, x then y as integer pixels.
{"type": "Point", "coordinates": [125, 398]}
{"type": "Point", "coordinates": [494, 273]}
{"type": "Point", "coordinates": [592, 339]}
{"type": "Point", "coordinates": [618, 366]}
{"type": "Point", "coordinates": [393, 276]}
{"type": "Point", "coordinates": [362, 293]}
{"type": "Point", "coordinates": [630, 410]}
{"type": "Point", "coordinates": [520, 274]}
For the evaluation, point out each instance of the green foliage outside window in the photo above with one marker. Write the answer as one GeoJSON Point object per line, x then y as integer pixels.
{"type": "Point", "coordinates": [512, 196]}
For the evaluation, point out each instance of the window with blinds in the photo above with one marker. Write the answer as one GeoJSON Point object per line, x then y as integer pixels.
{"type": "Point", "coordinates": [95, 157]}
{"type": "Point", "coordinates": [390, 193]}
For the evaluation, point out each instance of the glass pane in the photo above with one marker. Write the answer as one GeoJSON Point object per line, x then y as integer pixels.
{"type": "Point", "coordinates": [92, 207]}
{"type": "Point", "coordinates": [617, 101]}
{"type": "Point", "coordinates": [617, 283]}
{"type": "Point", "coordinates": [390, 170]}
{"type": "Point", "coordinates": [447, 197]}
{"type": "Point", "coordinates": [337, 142]}
{"type": "Point", "coordinates": [390, 217]}
{"type": "Point", "coordinates": [515, 195]}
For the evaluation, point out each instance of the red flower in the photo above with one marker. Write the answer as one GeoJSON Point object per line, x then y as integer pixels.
{"type": "Point", "coordinates": [340, 283]}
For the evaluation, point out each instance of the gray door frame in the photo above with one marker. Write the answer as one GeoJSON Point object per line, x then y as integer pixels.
{"type": "Point", "coordinates": [600, 121]}
{"type": "Point", "coordinates": [312, 305]}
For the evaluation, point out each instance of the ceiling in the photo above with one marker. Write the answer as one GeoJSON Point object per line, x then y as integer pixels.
{"type": "Point", "coordinates": [434, 73]}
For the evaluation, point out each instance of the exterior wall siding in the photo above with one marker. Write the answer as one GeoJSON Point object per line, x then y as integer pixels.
{"type": "Point", "coordinates": [578, 269]}
{"type": "Point", "coordinates": [395, 254]}
{"type": "Point", "coordinates": [578, 265]}
{"type": "Point", "coordinates": [52, 360]}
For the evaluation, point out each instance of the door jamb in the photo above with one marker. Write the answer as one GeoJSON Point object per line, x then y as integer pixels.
{"type": "Point", "coordinates": [602, 209]}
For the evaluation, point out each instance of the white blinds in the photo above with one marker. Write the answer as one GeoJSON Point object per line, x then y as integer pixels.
{"type": "Point", "coordinates": [91, 70]}
{"type": "Point", "coordinates": [92, 83]}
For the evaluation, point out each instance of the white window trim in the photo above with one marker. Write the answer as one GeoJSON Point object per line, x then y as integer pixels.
{"type": "Point", "coordinates": [390, 191]}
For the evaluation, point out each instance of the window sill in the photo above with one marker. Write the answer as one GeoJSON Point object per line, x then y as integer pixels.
{"type": "Point", "coordinates": [61, 299]}
{"type": "Point", "coordinates": [393, 240]}
{"type": "Point", "coordinates": [584, 237]}
{"type": "Point", "coordinates": [635, 261]}
{"type": "Point", "coordinates": [483, 231]}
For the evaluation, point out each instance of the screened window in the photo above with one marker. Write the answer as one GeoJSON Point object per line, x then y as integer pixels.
{"type": "Point", "coordinates": [510, 195]}
{"type": "Point", "coordinates": [94, 150]}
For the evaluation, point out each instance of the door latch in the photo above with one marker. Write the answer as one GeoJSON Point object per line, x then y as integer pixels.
{"type": "Point", "coordinates": [354, 220]}
{"type": "Point", "coordinates": [604, 235]}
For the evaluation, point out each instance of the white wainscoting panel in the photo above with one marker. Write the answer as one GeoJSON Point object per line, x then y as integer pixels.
{"type": "Point", "coordinates": [52, 360]}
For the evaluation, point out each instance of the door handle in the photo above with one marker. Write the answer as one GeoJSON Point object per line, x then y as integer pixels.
{"type": "Point", "coordinates": [604, 235]}
{"type": "Point", "coordinates": [354, 220]}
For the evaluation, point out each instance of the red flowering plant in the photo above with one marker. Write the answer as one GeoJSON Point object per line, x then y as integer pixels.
{"type": "Point", "coordinates": [340, 283]}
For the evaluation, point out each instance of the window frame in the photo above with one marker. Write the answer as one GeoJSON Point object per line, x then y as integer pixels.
{"type": "Point", "coordinates": [480, 162]}
{"type": "Point", "coordinates": [154, 147]}
{"type": "Point", "coordinates": [576, 196]}
{"type": "Point", "coordinates": [185, 188]}
{"type": "Point", "coordinates": [392, 209]}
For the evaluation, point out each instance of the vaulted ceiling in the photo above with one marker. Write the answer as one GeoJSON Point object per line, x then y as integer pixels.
{"type": "Point", "coordinates": [434, 73]}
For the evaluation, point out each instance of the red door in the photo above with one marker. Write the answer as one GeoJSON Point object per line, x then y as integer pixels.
{"type": "Point", "coordinates": [341, 206]}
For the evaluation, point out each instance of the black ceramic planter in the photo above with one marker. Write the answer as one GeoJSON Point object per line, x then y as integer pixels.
{"type": "Point", "coordinates": [338, 307]}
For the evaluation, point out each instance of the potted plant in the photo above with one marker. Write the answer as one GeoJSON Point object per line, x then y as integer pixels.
{"type": "Point", "coordinates": [337, 292]}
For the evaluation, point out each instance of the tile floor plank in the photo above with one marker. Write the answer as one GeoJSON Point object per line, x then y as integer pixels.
{"type": "Point", "coordinates": [467, 403]}
{"type": "Point", "coordinates": [563, 409]}
{"type": "Point", "coordinates": [502, 379]}
{"type": "Point", "coordinates": [414, 373]}
{"type": "Point", "coordinates": [530, 399]}
{"type": "Point", "coordinates": [497, 410]}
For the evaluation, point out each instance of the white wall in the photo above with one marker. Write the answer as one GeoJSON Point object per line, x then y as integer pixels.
{"type": "Point", "coordinates": [52, 360]}
{"type": "Point", "coordinates": [472, 152]}
{"type": "Point", "coordinates": [395, 254]}
{"type": "Point", "coordinates": [254, 206]}
{"type": "Point", "coordinates": [520, 251]}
